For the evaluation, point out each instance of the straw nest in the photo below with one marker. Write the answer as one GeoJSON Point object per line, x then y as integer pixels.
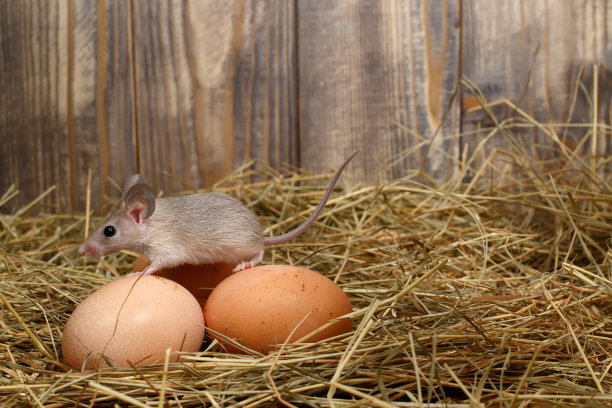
{"type": "Point", "coordinates": [464, 294]}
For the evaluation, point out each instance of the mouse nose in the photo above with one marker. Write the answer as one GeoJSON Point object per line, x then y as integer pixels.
{"type": "Point", "coordinates": [90, 250]}
{"type": "Point", "coordinates": [87, 250]}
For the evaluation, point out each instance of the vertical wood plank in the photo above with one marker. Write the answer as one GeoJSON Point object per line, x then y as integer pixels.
{"type": "Point", "coordinates": [99, 120]}
{"type": "Point", "coordinates": [370, 70]}
{"type": "Point", "coordinates": [215, 86]}
{"type": "Point", "coordinates": [80, 96]}
{"type": "Point", "coordinates": [115, 109]}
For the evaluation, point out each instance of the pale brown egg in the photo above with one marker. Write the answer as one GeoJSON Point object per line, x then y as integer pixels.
{"type": "Point", "coordinates": [259, 307]}
{"type": "Point", "coordinates": [133, 319]}
{"type": "Point", "coordinates": [140, 263]}
{"type": "Point", "coordinates": [200, 280]}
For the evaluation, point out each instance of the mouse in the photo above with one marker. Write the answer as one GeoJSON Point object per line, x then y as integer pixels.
{"type": "Point", "coordinates": [200, 228]}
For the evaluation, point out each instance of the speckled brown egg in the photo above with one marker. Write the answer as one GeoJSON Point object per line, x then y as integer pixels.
{"type": "Point", "coordinates": [135, 319]}
{"type": "Point", "coordinates": [261, 306]}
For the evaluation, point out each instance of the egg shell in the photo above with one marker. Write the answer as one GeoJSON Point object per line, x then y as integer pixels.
{"type": "Point", "coordinates": [140, 263]}
{"type": "Point", "coordinates": [135, 318]}
{"type": "Point", "coordinates": [200, 280]}
{"type": "Point", "coordinates": [260, 306]}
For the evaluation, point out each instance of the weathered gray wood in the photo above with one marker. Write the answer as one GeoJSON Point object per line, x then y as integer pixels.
{"type": "Point", "coordinates": [114, 100]}
{"type": "Point", "coordinates": [216, 86]}
{"type": "Point", "coordinates": [198, 89]}
{"type": "Point", "coordinates": [185, 91]}
{"type": "Point", "coordinates": [540, 55]}
{"type": "Point", "coordinates": [34, 152]}
{"type": "Point", "coordinates": [65, 103]}
{"type": "Point", "coordinates": [369, 70]}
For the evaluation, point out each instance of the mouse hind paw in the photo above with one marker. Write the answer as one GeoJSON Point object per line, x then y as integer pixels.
{"type": "Point", "coordinates": [246, 265]}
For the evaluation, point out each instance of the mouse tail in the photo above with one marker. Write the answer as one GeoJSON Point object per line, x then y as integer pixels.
{"type": "Point", "coordinates": [279, 239]}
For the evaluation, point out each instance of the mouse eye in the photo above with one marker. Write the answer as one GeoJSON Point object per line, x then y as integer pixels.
{"type": "Point", "coordinates": [109, 231]}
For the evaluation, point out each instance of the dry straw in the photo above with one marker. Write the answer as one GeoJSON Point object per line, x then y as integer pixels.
{"type": "Point", "coordinates": [492, 289]}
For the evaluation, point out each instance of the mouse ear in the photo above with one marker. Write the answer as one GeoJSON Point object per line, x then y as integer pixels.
{"type": "Point", "coordinates": [138, 199]}
{"type": "Point", "coordinates": [131, 182]}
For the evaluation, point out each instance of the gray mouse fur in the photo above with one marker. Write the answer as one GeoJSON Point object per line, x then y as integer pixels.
{"type": "Point", "coordinates": [203, 228]}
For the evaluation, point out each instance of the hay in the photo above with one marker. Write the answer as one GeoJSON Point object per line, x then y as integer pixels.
{"type": "Point", "coordinates": [463, 294]}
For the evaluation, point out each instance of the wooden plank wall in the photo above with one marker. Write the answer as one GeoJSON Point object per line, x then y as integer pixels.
{"type": "Point", "coordinates": [186, 91]}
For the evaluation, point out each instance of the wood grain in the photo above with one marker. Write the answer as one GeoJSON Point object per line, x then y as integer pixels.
{"type": "Point", "coordinates": [185, 91]}
{"type": "Point", "coordinates": [369, 70]}
{"type": "Point", "coordinates": [33, 152]}
{"type": "Point", "coordinates": [66, 105]}
{"type": "Point", "coordinates": [540, 56]}
{"type": "Point", "coordinates": [114, 99]}
{"type": "Point", "coordinates": [215, 85]}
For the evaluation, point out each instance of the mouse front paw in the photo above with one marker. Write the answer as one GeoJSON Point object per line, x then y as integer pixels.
{"type": "Point", "coordinates": [147, 271]}
{"type": "Point", "coordinates": [135, 274]}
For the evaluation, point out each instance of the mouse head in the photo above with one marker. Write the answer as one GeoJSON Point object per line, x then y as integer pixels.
{"type": "Point", "coordinates": [127, 228]}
